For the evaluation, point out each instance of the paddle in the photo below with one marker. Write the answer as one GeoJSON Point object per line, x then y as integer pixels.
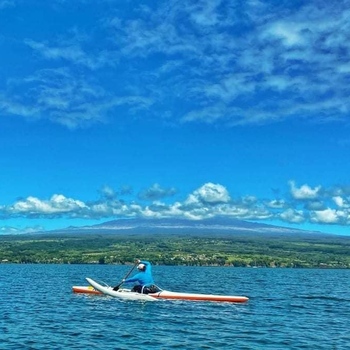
{"type": "Point", "coordinates": [126, 276]}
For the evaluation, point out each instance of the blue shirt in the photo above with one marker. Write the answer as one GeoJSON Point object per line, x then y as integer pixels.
{"type": "Point", "coordinates": [143, 278]}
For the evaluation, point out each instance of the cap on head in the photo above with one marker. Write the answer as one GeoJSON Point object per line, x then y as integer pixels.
{"type": "Point", "coordinates": [141, 267]}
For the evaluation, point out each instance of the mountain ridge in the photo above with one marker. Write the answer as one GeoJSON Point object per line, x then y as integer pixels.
{"type": "Point", "coordinates": [187, 226]}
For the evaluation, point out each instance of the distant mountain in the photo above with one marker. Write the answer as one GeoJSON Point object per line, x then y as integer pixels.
{"type": "Point", "coordinates": [213, 226]}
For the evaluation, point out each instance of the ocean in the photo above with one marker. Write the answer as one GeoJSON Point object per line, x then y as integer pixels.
{"type": "Point", "coordinates": [288, 309]}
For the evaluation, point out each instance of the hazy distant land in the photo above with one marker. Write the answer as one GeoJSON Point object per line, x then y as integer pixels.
{"type": "Point", "coordinates": [212, 242]}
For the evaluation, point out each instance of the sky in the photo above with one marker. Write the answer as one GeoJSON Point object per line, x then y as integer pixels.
{"type": "Point", "coordinates": [116, 109]}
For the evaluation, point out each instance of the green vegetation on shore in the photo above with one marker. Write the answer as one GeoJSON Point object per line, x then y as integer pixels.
{"type": "Point", "coordinates": [167, 249]}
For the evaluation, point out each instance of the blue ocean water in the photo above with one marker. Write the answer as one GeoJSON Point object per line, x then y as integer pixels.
{"type": "Point", "coordinates": [288, 309]}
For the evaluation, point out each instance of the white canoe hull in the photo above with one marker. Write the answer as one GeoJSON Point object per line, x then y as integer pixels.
{"type": "Point", "coordinates": [164, 294]}
{"type": "Point", "coordinates": [121, 293]}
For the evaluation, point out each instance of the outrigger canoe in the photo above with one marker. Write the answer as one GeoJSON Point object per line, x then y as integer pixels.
{"type": "Point", "coordinates": [161, 294]}
{"type": "Point", "coordinates": [86, 290]}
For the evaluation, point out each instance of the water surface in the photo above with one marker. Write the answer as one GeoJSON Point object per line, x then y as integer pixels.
{"type": "Point", "coordinates": [288, 309]}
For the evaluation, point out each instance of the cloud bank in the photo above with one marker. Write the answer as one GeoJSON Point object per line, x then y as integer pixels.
{"type": "Point", "coordinates": [209, 200]}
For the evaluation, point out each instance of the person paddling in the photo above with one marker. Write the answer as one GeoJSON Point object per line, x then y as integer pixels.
{"type": "Point", "coordinates": [144, 278]}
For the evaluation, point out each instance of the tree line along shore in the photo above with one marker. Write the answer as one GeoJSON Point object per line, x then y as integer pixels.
{"type": "Point", "coordinates": [226, 250]}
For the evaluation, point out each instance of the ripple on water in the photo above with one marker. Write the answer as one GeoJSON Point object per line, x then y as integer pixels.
{"type": "Point", "coordinates": [288, 309]}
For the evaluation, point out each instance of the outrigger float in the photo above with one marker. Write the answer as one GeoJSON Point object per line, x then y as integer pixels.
{"type": "Point", "coordinates": [97, 288]}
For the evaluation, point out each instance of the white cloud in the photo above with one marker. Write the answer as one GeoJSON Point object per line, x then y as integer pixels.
{"type": "Point", "coordinates": [293, 216]}
{"type": "Point", "coordinates": [156, 192]}
{"type": "Point", "coordinates": [204, 13]}
{"type": "Point", "coordinates": [210, 194]}
{"type": "Point", "coordinates": [327, 216]}
{"type": "Point", "coordinates": [66, 97]}
{"type": "Point", "coordinates": [341, 202]}
{"type": "Point", "coordinates": [276, 204]}
{"type": "Point", "coordinates": [290, 33]}
{"type": "Point", "coordinates": [56, 205]}
{"type": "Point", "coordinates": [313, 204]}
{"type": "Point", "coordinates": [10, 230]}
{"type": "Point", "coordinates": [108, 192]}
{"type": "Point", "coordinates": [304, 192]}
{"type": "Point", "coordinates": [70, 52]}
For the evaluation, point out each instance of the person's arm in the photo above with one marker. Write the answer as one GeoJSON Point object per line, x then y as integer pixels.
{"type": "Point", "coordinates": [132, 279]}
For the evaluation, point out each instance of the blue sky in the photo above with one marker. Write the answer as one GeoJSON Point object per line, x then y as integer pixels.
{"type": "Point", "coordinates": [193, 109]}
